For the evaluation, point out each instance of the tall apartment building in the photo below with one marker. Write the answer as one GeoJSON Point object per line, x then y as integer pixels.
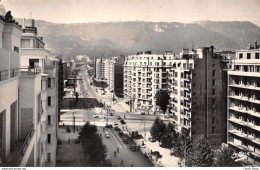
{"type": "Point", "coordinates": [10, 125]}
{"type": "Point", "coordinates": [145, 74]}
{"type": "Point", "coordinates": [244, 103]}
{"type": "Point", "coordinates": [197, 85]}
{"type": "Point", "coordinates": [44, 80]}
{"type": "Point", "coordinates": [115, 78]}
{"type": "Point", "coordinates": [102, 69]}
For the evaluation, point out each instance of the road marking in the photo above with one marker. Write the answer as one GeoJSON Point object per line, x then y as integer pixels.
{"type": "Point", "coordinates": [118, 138]}
{"type": "Point", "coordinates": [114, 138]}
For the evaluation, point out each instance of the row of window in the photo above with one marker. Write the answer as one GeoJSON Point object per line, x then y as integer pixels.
{"type": "Point", "coordinates": [248, 55]}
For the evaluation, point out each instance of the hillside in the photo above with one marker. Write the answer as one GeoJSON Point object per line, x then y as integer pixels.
{"type": "Point", "coordinates": [114, 38]}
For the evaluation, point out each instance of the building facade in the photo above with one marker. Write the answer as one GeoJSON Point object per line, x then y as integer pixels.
{"type": "Point", "coordinates": [197, 89]}
{"type": "Point", "coordinates": [37, 60]}
{"type": "Point", "coordinates": [244, 104]}
{"type": "Point", "coordinates": [145, 74]}
{"type": "Point", "coordinates": [10, 126]}
{"type": "Point", "coordinates": [115, 79]}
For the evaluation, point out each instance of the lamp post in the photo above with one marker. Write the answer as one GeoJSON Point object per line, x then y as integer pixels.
{"type": "Point", "coordinates": [74, 122]}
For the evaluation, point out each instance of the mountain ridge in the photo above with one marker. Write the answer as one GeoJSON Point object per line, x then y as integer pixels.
{"type": "Point", "coordinates": [115, 38]}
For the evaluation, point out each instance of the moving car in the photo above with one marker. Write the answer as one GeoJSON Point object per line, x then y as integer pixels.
{"type": "Point", "coordinates": [125, 140]}
{"type": "Point", "coordinates": [151, 139]}
{"type": "Point", "coordinates": [95, 115]}
{"type": "Point", "coordinates": [133, 147]}
{"type": "Point", "coordinates": [107, 135]}
{"type": "Point", "coordinates": [122, 122]}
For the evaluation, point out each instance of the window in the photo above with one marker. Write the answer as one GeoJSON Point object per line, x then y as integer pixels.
{"type": "Point", "coordinates": [213, 129]}
{"type": "Point", "coordinates": [49, 119]}
{"type": "Point", "coordinates": [49, 101]}
{"type": "Point", "coordinates": [16, 49]}
{"type": "Point", "coordinates": [49, 138]}
{"type": "Point", "coordinates": [213, 120]}
{"type": "Point", "coordinates": [213, 82]}
{"type": "Point", "coordinates": [213, 65]}
{"type": "Point", "coordinates": [213, 72]}
{"type": "Point", "coordinates": [256, 55]}
{"type": "Point", "coordinates": [213, 91]}
{"type": "Point", "coordinates": [181, 75]}
{"type": "Point", "coordinates": [240, 55]}
{"type": "Point", "coordinates": [213, 111]}
{"type": "Point", "coordinates": [49, 157]}
{"type": "Point", "coordinates": [248, 55]}
{"type": "Point", "coordinates": [213, 101]}
{"type": "Point", "coordinates": [49, 82]}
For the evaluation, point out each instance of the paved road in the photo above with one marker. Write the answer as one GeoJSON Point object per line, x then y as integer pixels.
{"type": "Point", "coordinates": [135, 158]}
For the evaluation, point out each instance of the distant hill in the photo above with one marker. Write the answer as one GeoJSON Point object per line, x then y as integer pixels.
{"type": "Point", "coordinates": [115, 38]}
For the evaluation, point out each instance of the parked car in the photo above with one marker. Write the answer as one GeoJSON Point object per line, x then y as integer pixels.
{"type": "Point", "coordinates": [125, 140]}
{"type": "Point", "coordinates": [119, 118]}
{"type": "Point", "coordinates": [157, 154]}
{"type": "Point", "coordinates": [143, 113]}
{"type": "Point", "coordinates": [95, 115]}
{"type": "Point", "coordinates": [120, 133]}
{"type": "Point", "coordinates": [107, 135]}
{"type": "Point", "coordinates": [116, 128]}
{"type": "Point", "coordinates": [151, 139]}
{"type": "Point", "coordinates": [122, 122]}
{"type": "Point", "coordinates": [133, 147]}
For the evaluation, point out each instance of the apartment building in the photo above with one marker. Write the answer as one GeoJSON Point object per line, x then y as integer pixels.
{"type": "Point", "coordinates": [102, 69]}
{"type": "Point", "coordinates": [145, 74]}
{"type": "Point", "coordinates": [10, 125]}
{"type": "Point", "coordinates": [244, 104]}
{"type": "Point", "coordinates": [40, 74]}
{"type": "Point", "coordinates": [197, 88]}
{"type": "Point", "coordinates": [115, 78]}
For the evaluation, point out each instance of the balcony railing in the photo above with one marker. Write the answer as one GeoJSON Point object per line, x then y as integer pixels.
{"type": "Point", "coordinates": [15, 157]}
{"type": "Point", "coordinates": [3, 75]}
{"type": "Point", "coordinates": [30, 70]}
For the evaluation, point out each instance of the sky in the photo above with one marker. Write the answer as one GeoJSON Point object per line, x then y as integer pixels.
{"type": "Point", "coordinates": [186, 11]}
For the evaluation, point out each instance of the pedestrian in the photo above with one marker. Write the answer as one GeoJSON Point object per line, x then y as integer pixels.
{"type": "Point", "coordinates": [115, 154]}
{"type": "Point", "coordinates": [122, 162]}
{"type": "Point", "coordinates": [131, 165]}
{"type": "Point", "coordinates": [124, 116]}
{"type": "Point", "coordinates": [117, 149]}
{"type": "Point", "coordinates": [69, 140]}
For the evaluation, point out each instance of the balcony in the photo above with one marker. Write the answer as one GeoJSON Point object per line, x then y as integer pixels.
{"type": "Point", "coordinates": [244, 110]}
{"type": "Point", "coordinates": [15, 157]}
{"type": "Point", "coordinates": [251, 87]}
{"type": "Point", "coordinates": [30, 71]}
{"type": "Point", "coordinates": [245, 98]}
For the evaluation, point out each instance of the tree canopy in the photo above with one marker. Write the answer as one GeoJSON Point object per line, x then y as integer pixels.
{"type": "Point", "coordinates": [162, 99]}
{"type": "Point", "coordinates": [158, 129]}
{"type": "Point", "coordinates": [94, 149]}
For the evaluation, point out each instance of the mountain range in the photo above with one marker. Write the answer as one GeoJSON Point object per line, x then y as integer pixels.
{"type": "Point", "coordinates": [115, 38]}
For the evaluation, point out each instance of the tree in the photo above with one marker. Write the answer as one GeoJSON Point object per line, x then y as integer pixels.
{"type": "Point", "coordinates": [162, 99]}
{"type": "Point", "coordinates": [169, 136]}
{"type": "Point", "coordinates": [223, 157]}
{"type": "Point", "coordinates": [199, 153]}
{"type": "Point", "coordinates": [93, 146]}
{"type": "Point", "coordinates": [158, 129]}
{"type": "Point", "coordinates": [181, 142]}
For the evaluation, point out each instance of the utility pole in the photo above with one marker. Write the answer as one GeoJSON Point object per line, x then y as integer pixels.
{"type": "Point", "coordinates": [74, 127]}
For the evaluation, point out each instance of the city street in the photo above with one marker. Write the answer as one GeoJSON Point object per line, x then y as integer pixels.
{"type": "Point", "coordinates": [134, 122]}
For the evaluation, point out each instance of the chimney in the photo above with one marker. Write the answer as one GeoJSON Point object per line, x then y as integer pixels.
{"type": "Point", "coordinates": [249, 46]}
{"type": "Point", "coordinates": [33, 24]}
{"type": "Point", "coordinates": [255, 44]}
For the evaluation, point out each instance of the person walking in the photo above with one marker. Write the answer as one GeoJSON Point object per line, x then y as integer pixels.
{"type": "Point", "coordinates": [117, 149]}
{"type": "Point", "coordinates": [115, 154]}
